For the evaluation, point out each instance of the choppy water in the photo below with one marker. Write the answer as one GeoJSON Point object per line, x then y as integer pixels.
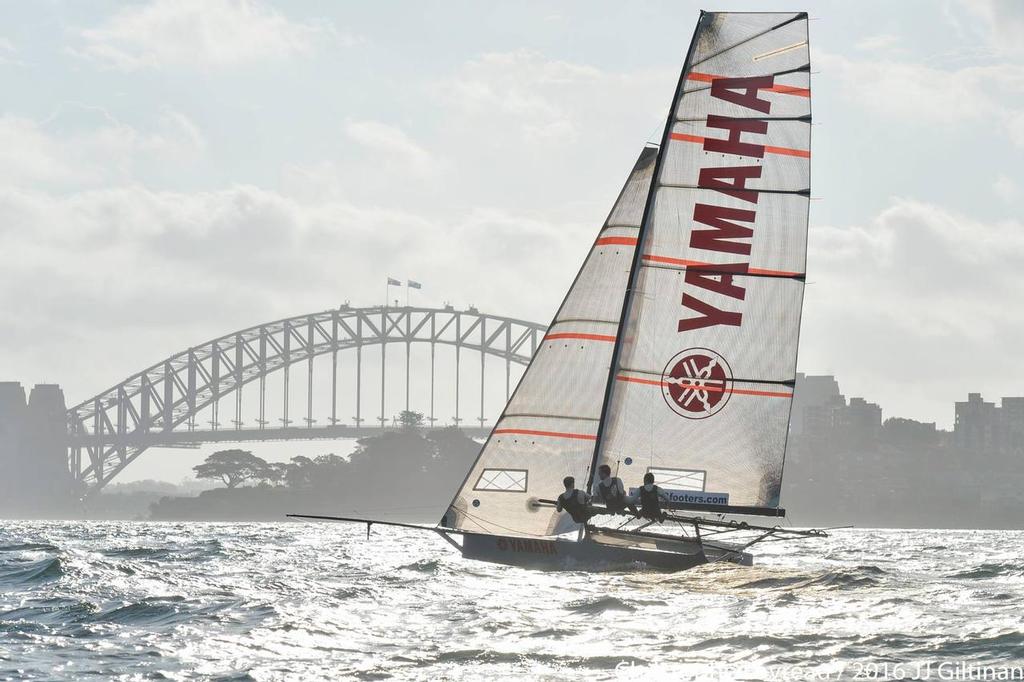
{"type": "Point", "coordinates": [293, 601]}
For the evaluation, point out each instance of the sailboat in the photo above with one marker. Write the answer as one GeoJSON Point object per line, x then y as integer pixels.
{"type": "Point", "coordinates": [674, 351]}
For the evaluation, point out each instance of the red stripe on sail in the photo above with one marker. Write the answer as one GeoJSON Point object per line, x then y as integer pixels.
{"type": "Point", "coordinates": [779, 88]}
{"type": "Point", "coordinates": [550, 434]}
{"type": "Point", "coordinates": [784, 151]}
{"type": "Point", "coordinates": [580, 335]}
{"type": "Point", "coordinates": [701, 264]}
{"type": "Point", "coordinates": [711, 389]}
{"type": "Point", "coordinates": [625, 241]}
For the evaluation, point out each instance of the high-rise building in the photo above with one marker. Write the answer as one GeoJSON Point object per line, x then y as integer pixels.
{"type": "Point", "coordinates": [813, 399]}
{"type": "Point", "coordinates": [983, 427]}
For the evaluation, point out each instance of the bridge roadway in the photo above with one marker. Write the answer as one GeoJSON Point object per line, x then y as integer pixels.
{"type": "Point", "coordinates": [196, 437]}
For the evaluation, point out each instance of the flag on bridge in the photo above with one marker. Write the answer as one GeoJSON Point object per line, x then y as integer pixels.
{"type": "Point", "coordinates": [412, 284]}
{"type": "Point", "coordinates": [392, 282]}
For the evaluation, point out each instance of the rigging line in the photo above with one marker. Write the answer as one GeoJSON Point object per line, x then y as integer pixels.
{"type": "Point", "coordinates": [373, 509]}
{"type": "Point", "coordinates": [797, 17]}
{"type": "Point", "coordinates": [483, 523]}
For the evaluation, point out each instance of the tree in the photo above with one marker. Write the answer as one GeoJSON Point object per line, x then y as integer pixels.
{"type": "Point", "coordinates": [300, 472]}
{"type": "Point", "coordinates": [410, 420]}
{"type": "Point", "coordinates": [231, 466]}
{"type": "Point", "coordinates": [274, 473]}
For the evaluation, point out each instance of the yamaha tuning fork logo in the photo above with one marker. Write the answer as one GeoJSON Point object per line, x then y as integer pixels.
{"type": "Point", "coordinates": [696, 383]}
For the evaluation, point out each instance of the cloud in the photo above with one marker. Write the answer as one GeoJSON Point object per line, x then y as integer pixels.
{"type": "Point", "coordinates": [196, 33]}
{"type": "Point", "coordinates": [1003, 21]}
{"type": "Point", "coordinates": [931, 297]}
{"type": "Point", "coordinates": [1006, 189]}
{"type": "Point", "coordinates": [1015, 126]}
{"type": "Point", "coordinates": [543, 100]}
{"type": "Point", "coordinates": [88, 269]}
{"type": "Point", "coordinates": [878, 42]}
{"type": "Point", "coordinates": [86, 146]}
{"type": "Point", "coordinates": [929, 95]}
{"type": "Point", "coordinates": [394, 143]}
{"type": "Point", "coordinates": [8, 53]}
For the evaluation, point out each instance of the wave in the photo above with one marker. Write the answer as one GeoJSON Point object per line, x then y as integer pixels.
{"type": "Point", "coordinates": [853, 578]}
{"type": "Point", "coordinates": [750, 642]}
{"type": "Point", "coordinates": [991, 570]}
{"type": "Point", "coordinates": [154, 611]}
{"type": "Point", "coordinates": [29, 546]}
{"type": "Point", "coordinates": [1002, 647]}
{"type": "Point", "coordinates": [836, 579]}
{"type": "Point", "coordinates": [482, 656]}
{"type": "Point", "coordinates": [137, 553]}
{"type": "Point", "coordinates": [552, 633]}
{"type": "Point", "coordinates": [34, 572]}
{"type": "Point", "coordinates": [772, 583]}
{"type": "Point", "coordinates": [53, 611]}
{"type": "Point", "coordinates": [422, 566]}
{"type": "Point", "coordinates": [600, 605]}
{"type": "Point", "coordinates": [353, 592]}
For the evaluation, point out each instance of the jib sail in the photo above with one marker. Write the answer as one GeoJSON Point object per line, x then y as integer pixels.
{"type": "Point", "coordinates": [549, 428]}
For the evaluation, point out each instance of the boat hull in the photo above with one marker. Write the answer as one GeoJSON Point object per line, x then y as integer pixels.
{"type": "Point", "coordinates": [587, 554]}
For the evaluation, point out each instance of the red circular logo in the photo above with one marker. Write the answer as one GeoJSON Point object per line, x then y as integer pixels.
{"type": "Point", "coordinates": [696, 383]}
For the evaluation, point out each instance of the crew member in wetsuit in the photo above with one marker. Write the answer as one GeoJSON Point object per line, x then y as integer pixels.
{"type": "Point", "coordinates": [650, 497]}
{"type": "Point", "coordinates": [609, 489]}
{"type": "Point", "coordinates": [574, 501]}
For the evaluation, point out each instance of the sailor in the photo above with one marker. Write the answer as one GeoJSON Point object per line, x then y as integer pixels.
{"type": "Point", "coordinates": [609, 489]}
{"type": "Point", "coordinates": [574, 501]}
{"type": "Point", "coordinates": [650, 497]}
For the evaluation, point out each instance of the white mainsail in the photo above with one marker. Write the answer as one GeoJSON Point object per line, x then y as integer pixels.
{"type": "Point", "coordinates": [704, 371]}
{"type": "Point", "coordinates": [549, 428]}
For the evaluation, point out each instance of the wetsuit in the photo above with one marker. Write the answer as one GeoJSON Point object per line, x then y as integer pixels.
{"type": "Point", "coordinates": [575, 503]}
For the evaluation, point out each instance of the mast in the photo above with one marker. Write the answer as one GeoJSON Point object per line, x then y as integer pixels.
{"type": "Point", "coordinates": [637, 253]}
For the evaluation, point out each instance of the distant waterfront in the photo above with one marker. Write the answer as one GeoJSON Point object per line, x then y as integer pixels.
{"type": "Point", "coordinates": [846, 465]}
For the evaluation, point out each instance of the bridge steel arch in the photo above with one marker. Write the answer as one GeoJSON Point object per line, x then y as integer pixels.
{"type": "Point", "coordinates": [109, 431]}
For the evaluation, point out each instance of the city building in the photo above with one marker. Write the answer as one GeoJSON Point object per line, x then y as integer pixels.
{"type": "Point", "coordinates": [981, 426]}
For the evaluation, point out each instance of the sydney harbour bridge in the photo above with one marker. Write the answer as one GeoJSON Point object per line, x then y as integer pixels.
{"type": "Point", "coordinates": [283, 380]}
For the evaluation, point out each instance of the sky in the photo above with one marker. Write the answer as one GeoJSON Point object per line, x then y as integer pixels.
{"type": "Point", "coordinates": [174, 170]}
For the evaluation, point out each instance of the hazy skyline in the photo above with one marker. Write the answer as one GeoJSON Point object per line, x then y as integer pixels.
{"type": "Point", "coordinates": [174, 171]}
